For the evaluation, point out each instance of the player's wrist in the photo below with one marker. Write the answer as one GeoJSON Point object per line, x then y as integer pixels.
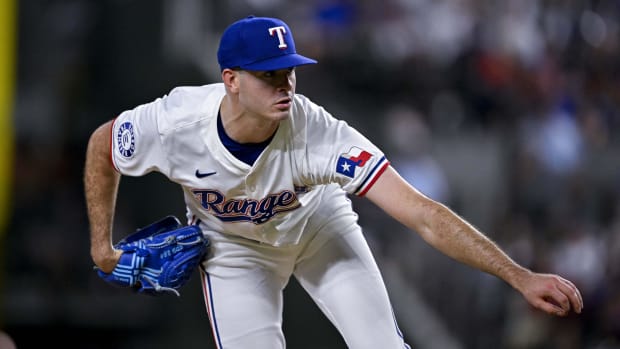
{"type": "Point", "coordinates": [106, 258]}
{"type": "Point", "coordinates": [517, 277]}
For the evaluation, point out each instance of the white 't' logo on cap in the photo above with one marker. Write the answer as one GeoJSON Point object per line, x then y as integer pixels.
{"type": "Point", "coordinates": [280, 31]}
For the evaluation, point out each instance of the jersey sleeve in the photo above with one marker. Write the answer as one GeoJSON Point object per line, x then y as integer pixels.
{"type": "Point", "coordinates": [136, 145]}
{"type": "Point", "coordinates": [338, 153]}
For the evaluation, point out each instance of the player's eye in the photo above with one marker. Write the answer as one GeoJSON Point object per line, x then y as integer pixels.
{"type": "Point", "coordinates": [274, 73]}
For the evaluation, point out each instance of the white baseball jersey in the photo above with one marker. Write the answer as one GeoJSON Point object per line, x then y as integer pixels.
{"type": "Point", "coordinates": [269, 220]}
{"type": "Point", "coordinates": [269, 201]}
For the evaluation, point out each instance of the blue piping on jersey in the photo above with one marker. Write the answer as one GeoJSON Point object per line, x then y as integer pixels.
{"type": "Point", "coordinates": [372, 173]}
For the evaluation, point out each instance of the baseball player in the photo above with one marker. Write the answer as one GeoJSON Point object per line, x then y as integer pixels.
{"type": "Point", "coordinates": [265, 173]}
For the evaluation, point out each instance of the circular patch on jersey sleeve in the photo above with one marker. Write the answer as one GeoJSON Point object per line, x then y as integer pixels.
{"type": "Point", "coordinates": [126, 140]}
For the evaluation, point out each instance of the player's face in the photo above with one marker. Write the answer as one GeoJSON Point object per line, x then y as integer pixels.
{"type": "Point", "coordinates": [268, 94]}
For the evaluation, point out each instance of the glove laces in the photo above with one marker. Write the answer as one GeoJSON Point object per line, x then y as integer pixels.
{"type": "Point", "coordinates": [160, 288]}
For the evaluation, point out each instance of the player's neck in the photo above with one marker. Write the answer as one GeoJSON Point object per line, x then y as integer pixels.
{"type": "Point", "coordinates": [245, 128]}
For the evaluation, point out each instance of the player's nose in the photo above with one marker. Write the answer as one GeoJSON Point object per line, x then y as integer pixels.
{"type": "Point", "coordinates": [284, 83]}
{"type": "Point", "coordinates": [286, 80]}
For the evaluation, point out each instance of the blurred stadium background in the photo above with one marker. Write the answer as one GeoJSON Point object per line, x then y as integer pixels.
{"type": "Point", "coordinates": [507, 111]}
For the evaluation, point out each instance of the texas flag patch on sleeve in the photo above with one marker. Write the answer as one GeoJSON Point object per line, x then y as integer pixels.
{"type": "Point", "coordinates": [354, 158]}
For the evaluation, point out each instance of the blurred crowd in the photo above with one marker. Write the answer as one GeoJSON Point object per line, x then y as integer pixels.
{"type": "Point", "coordinates": [506, 111]}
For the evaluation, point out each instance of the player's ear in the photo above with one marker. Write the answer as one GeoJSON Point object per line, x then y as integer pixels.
{"type": "Point", "coordinates": [230, 77]}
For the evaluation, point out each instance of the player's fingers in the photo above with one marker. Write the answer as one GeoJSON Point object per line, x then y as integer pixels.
{"type": "Point", "coordinates": [549, 307]}
{"type": "Point", "coordinates": [561, 299]}
{"type": "Point", "coordinates": [576, 291]}
{"type": "Point", "coordinates": [573, 294]}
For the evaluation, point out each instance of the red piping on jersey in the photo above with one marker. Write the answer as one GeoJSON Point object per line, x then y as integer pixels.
{"type": "Point", "coordinates": [112, 145]}
{"type": "Point", "coordinates": [374, 179]}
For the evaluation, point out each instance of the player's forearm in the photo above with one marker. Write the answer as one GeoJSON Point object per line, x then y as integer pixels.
{"type": "Point", "coordinates": [458, 239]}
{"type": "Point", "coordinates": [442, 228]}
{"type": "Point", "coordinates": [100, 187]}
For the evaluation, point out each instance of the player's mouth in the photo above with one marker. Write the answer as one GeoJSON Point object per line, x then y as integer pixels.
{"type": "Point", "coordinates": [284, 103]}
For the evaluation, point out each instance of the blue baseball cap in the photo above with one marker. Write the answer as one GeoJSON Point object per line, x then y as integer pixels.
{"type": "Point", "coordinates": [260, 44]}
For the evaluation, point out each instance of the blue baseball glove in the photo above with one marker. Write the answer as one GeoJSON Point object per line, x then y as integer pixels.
{"type": "Point", "coordinates": [158, 258]}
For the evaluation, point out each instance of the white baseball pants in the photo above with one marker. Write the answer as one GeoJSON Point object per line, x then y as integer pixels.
{"type": "Point", "coordinates": [243, 282]}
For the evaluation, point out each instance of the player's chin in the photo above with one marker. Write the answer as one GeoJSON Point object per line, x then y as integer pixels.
{"type": "Point", "coordinates": [281, 113]}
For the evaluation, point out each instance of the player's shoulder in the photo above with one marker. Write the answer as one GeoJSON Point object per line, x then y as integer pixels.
{"type": "Point", "coordinates": [306, 109]}
{"type": "Point", "coordinates": [186, 105]}
{"type": "Point", "coordinates": [302, 101]}
{"type": "Point", "coordinates": [191, 97]}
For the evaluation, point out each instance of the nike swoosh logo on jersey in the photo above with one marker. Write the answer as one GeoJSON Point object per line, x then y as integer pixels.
{"type": "Point", "coordinates": [203, 175]}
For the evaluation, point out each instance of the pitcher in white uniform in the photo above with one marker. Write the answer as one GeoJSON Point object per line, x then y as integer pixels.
{"type": "Point", "coordinates": [266, 173]}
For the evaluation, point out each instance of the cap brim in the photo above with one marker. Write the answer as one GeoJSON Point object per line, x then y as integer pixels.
{"type": "Point", "coordinates": [280, 62]}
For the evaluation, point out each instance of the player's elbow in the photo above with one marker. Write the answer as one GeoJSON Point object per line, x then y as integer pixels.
{"type": "Point", "coordinates": [432, 221]}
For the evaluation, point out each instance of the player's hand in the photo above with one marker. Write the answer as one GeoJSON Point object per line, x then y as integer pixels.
{"type": "Point", "coordinates": [551, 294]}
